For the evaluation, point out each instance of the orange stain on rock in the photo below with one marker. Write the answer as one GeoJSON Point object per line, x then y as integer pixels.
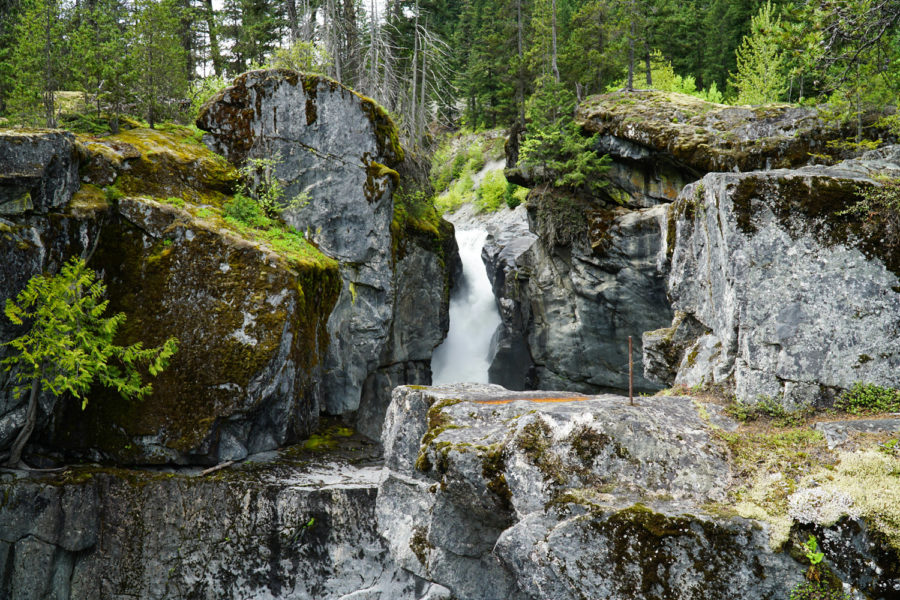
{"type": "Point", "coordinates": [542, 400]}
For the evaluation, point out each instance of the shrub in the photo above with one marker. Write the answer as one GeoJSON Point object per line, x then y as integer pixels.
{"type": "Point", "coordinates": [555, 143]}
{"type": "Point", "coordinates": [768, 408]}
{"type": "Point", "coordinates": [869, 398]}
{"type": "Point", "coordinates": [491, 194]}
{"type": "Point", "coordinates": [810, 590]}
{"type": "Point", "coordinates": [515, 195]}
{"type": "Point", "coordinates": [247, 211]}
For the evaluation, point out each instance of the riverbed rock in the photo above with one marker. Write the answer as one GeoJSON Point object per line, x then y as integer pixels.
{"type": "Point", "coordinates": [291, 526]}
{"type": "Point", "coordinates": [799, 299]}
{"type": "Point", "coordinates": [497, 494]}
{"type": "Point", "coordinates": [338, 153]}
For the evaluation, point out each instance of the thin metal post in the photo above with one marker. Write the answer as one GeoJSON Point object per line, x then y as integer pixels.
{"type": "Point", "coordinates": [630, 373]}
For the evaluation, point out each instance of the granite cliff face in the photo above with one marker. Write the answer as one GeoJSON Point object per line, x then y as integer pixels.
{"type": "Point", "coordinates": [791, 298]}
{"type": "Point", "coordinates": [599, 268]}
{"type": "Point", "coordinates": [340, 151]}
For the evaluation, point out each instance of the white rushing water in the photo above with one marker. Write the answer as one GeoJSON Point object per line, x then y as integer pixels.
{"type": "Point", "coordinates": [463, 357]}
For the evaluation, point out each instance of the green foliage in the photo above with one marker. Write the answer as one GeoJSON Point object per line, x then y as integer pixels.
{"type": "Point", "coordinates": [204, 88]}
{"type": "Point", "coordinates": [811, 549]}
{"type": "Point", "coordinates": [515, 195]}
{"type": "Point", "coordinates": [869, 398]}
{"type": "Point", "coordinates": [812, 590]}
{"type": "Point", "coordinates": [665, 79]}
{"type": "Point", "coordinates": [37, 63]}
{"type": "Point", "coordinates": [306, 57]}
{"type": "Point", "coordinates": [160, 60]}
{"type": "Point", "coordinates": [415, 209]}
{"type": "Point", "coordinates": [761, 75]}
{"type": "Point", "coordinates": [491, 194]}
{"type": "Point", "coordinates": [260, 183]}
{"type": "Point", "coordinates": [768, 408]}
{"type": "Point", "coordinates": [460, 193]}
{"type": "Point", "coordinates": [113, 193]}
{"type": "Point", "coordinates": [69, 344]}
{"type": "Point", "coordinates": [244, 209]}
{"type": "Point", "coordinates": [554, 142]}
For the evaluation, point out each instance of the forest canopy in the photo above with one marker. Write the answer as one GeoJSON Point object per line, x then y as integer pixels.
{"type": "Point", "coordinates": [445, 63]}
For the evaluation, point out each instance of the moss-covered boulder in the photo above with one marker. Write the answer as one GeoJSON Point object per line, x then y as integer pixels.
{"type": "Point", "coordinates": [248, 305]}
{"type": "Point", "coordinates": [660, 141]}
{"type": "Point", "coordinates": [338, 156]}
{"type": "Point", "coordinates": [251, 327]}
{"type": "Point", "coordinates": [797, 299]}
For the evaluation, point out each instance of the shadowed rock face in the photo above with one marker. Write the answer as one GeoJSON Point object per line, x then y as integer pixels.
{"type": "Point", "coordinates": [286, 527]}
{"type": "Point", "coordinates": [795, 301]}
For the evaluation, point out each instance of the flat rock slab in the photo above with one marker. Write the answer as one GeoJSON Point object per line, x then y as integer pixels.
{"type": "Point", "coordinates": [837, 432]}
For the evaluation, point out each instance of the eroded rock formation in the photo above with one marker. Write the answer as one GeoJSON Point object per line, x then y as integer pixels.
{"type": "Point", "coordinates": [796, 300]}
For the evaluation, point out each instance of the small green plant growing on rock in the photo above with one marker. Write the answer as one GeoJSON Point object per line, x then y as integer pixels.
{"type": "Point", "coordinates": [70, 345]}
{"type": "Point", "coordinates": [869, 398]}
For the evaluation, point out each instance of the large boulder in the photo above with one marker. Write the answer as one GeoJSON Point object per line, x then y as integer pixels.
{"type": "Point", "coordinates": [251, 328]}
{"type": "Point", "coordinates": [338, 151]}
{"type": "Point", "coordinates": [38, 171]}
{"type": "Point", "coordinates": [498, 495]}
{"type": "Point", "coordinates": [289, 526]}
{"type": "Point", "coordinates": [791, 297]}
{"type": "Point", "coordinates": [250, 313]}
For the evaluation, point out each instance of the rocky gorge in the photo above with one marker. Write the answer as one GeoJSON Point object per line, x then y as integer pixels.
{"type": "Point", "coordinates": [717, 246]}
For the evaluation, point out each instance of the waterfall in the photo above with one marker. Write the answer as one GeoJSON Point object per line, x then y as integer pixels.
{"type": "Point", "coordinates": [463, 357]}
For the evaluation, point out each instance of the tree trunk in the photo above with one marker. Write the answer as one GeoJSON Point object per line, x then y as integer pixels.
{"type": "Point", "coordinates": [520, 76]}
{"type": "Point", "coordinates": [647, 62]}
{"type": "Point", "coordinates": [214, 51]}
{"type": "Point", "coordinates": [553, 66]}
{"type": "Point", "coordinates": [630, 85]}
{"type": "Point", "coordinates": [293, 24]}
{"type": "Point", "coordinates": [15, 452]}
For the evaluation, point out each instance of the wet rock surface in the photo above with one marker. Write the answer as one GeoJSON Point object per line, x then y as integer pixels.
{"type": "Point", "coordinates": [800, 301]}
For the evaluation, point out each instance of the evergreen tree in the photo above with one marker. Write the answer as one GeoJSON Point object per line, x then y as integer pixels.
{"type": "Point", "coordinates": [101, 42]}
{"type": "Point", "coordinates": [37, 62]}
{"type": "Point", "coordinates": [761, 66]}
{"type": "Point", "coordinates": [160, 61]}
{"type": "Point", "coordinates": [69, 345]}
{"type": "Point", "coordinates": [251, 30]}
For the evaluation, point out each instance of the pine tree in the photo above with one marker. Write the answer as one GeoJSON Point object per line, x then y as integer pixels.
{"type": "Point", "coordinates": [761, 66]}
{"type": "Point", "coordinates": [37, 62]}
{"type": "Point", "coordinates": [101, 42]}
{"type": "Point", "coordinates": [159, 59]}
